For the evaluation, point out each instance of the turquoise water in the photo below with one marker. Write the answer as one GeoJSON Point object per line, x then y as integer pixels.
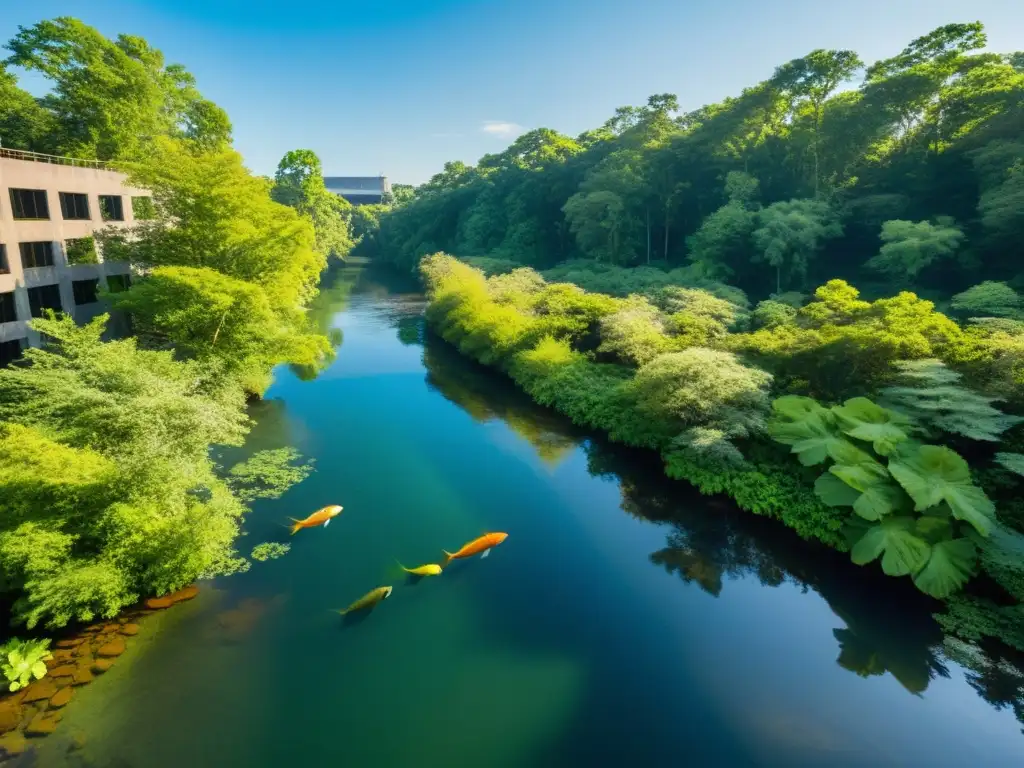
{"type": "Point", "coordinates": [625, 621]}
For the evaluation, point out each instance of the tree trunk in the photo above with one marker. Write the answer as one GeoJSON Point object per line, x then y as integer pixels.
{"type": "Point", "coordinates": [220, 325]}
{"type": "Point", "coordinates": [778, 279]}
{"type": "Point", "coordinates": [648, 235]}
{"type": "Point", "coordinates": [666, 230]}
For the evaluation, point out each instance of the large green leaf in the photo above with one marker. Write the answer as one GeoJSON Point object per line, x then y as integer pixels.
{"type": "Point", "coordinates": [864, 420]}
{"type": "Point", "coordinates": [809, 429]}
{"type": "Point", "coordinates": [879, 495]}
{"type": "Point", "coordinates": [932, 474]}
{"type": "Point", "coordinates": [835, 492]}
{"type": "Point", "coordinates": [894, 539]}
{"type": "Point", "coordinates": [950, 567]}
{"type": "Point", "coordinates": [1011, 461]}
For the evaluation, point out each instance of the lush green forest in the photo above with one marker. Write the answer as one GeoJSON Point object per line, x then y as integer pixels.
{"type": "Point", "coordinates": [109, 491]}
{"type": "Point", "coordinates": [805, 297]}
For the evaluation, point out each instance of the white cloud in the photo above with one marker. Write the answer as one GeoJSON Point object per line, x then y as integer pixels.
{"type": "Point", "coordinates": [501, 129]}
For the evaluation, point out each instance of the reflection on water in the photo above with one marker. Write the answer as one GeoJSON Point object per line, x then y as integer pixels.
{"type": "Point", "coordinates": [888, 625]}
{"type": "Point", "coordinates": [627, 621]}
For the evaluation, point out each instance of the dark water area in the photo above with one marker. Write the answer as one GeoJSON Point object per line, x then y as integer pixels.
{"type": "Point", "coordinates": [626, 620]}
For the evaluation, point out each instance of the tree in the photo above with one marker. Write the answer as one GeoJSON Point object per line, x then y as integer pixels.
{"type": "Point", "coordinates": [110, 98]}
{"type": "Point", "coordinates": [790, 234]}
{"type": "Point", "coordinates": [24, 124]}
{"type": "Point", "coordinates": [811, 80]}
{"type": "Point", "coordinates": [990, 299]}
{"type": "Point", "coordinates": [299, 183]}
{"type": "Point", "coordinates": [208, 316]}
{"type": "Point", "coordinates": [910, 246]}
{"type": "Point", "coordinates": [721, 244]}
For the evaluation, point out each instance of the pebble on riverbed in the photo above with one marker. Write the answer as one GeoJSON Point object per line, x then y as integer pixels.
{"type": "Point", "coordinates": [36, 710]}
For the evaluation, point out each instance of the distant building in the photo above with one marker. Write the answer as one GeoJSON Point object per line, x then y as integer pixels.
{"type": "Point", "coordinates": [49, 208]}
{"type": "Point", "coordinates": [359, 190]}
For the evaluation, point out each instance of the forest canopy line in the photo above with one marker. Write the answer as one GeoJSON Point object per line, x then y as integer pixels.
{"type": "Point", "coordinates": [108, 492]}
{"type": "Point", "coordinates": [905, 172]}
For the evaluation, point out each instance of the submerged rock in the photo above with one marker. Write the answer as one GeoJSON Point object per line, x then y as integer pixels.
{"type": "Point", "coordinates": [184, 594]}
{"type": "Point", "coordinates": [12, 744]}
{"type": "Point", "coordinates": [39, 690]}
{"type": "Point", "coordinates": [83, 675]}
{"type": "Point", "coordinates": [129, 629]}
{"type": "Point", "coordinates": [62, 697]}
{"type": "Point", "coordinates": [63, 670]}
{"type": "Point", "coordinates": [159, 602]}
{"type": "Point", "coordinates": [43, 724]}
{"type": "Point", "coordinates": [114, 647]}
{"type": "Point", "coordinates": [10, 714]}
{"type": "Point", "coordinates": [70, 642]}
{"type": "Point", "coordinates": [102, 665]}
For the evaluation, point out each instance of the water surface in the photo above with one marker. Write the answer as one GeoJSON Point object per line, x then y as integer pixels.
{"type": "Point", "coordinates": [626, 620]}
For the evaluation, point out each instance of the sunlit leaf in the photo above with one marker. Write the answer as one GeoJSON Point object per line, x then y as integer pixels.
{"type": "Point", "coordinates": [806, 427]}
{"type": "Point", "coordinates": [835, 492]}
{"type": "Point", "coordinates": [950, 567]}
{"type": "Point", "coordinates": [932, 474]}
{"type": "Point", "coordinates": [879, 495]}
{"type": "Point", "coordinates": [1011, 461]}
{"type": "Point", "coordinates": [864, 420]}
{"type": "Point", "coordinates": [894, 539]}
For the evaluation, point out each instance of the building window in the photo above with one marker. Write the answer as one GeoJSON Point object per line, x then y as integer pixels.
{"type": "Point", "coordinates": [85, 291]}
{"type": "Point", "coordinates": [74, 205]}
{"type": "Point", "coordinates": [29, 204]}
{"type": "Point", "coordinates": [8, 314]}
{"type": "Point", "coordinates": [111, 208]}
{"type": "Point", "coordinates": [143, 208]}
{"type": "Point", "coordinates": [44, 297]}
{"type": "Point", "coordinates": [4, 266]}
{"type": "Point", "coordinates": [119, 283]}
{"type": "Point", "coordinates": [9, 352]}
{"type": "Point", "coordinates": [38, 254]}
{"type": "Point", "coordinates": [81, 250]}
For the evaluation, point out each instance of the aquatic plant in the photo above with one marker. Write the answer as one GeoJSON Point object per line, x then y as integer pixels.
{"type": "Point", "coordinates": [24, 660]}
{"type": "Point", "coordinates": [269, 550]}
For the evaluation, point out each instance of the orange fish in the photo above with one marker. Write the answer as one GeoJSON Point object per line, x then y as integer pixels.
{"type": "Point", "coordinates": [320, 517]}
{"type": "Point", "coordinates": [476, 546]}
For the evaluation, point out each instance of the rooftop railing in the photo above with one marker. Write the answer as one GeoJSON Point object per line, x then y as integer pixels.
{"type": "Point", "coordinates": [39, 157]}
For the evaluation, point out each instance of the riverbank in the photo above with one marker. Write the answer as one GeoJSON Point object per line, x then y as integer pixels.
{"type": "Point", "coordinates": [76, 660]}
{"type": "Point", "coordinates": [695, 405]}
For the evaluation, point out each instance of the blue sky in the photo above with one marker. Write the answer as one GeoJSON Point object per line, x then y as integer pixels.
{"type": "Point", "coordinates": [401, 86]}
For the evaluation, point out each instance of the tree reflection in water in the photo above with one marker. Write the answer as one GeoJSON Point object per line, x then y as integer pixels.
{"type": "Point", "coordinates": [711, 541]}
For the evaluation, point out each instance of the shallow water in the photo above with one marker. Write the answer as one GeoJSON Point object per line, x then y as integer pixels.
{"type": "Point", "coordinates": [625, 621]}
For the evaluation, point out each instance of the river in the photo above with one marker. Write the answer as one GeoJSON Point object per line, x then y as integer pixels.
{"type": "Point", "coordinates": [625, 621]}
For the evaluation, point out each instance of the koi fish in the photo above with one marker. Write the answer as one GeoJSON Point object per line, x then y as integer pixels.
{"type": "Point", "coordinates": [476, 546]}
{"type": "Point", "coordinates": [423, 570]}
{"type": "Point", "coordinates": [368, 600]}
{"type": "Point", "coordinates": [320, 517]}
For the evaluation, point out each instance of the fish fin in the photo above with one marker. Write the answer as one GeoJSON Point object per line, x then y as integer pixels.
{"type": "Point", "coordinates": [401, 566]}
{"type": "Point", "coordinates": [485, 554]}
{"type": "Point", "coordinates": [296, 527]}
{"type": "Point", "coordinates": [447, 557]}
{"type": "Point", "coordinates": [327, 522]}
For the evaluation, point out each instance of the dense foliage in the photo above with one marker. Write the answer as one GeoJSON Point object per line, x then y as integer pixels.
{"type": "Point", "coordinates": [907, 171]}
{"type": "Point", "coordinates": [689, 373]}
{"type": "Point", "coordinates": [108, 491]}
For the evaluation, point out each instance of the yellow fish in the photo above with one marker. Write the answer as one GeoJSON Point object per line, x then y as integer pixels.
{"type": "Point", "coordinates": [368, 600]}
{"type": "Point", "coordinates": [320, 517]}
{"type": "Point", "coordinates": [423, 570]}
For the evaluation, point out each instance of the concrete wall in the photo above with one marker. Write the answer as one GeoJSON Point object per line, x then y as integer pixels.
{"type": "Point", "coordinates": [54, 178]}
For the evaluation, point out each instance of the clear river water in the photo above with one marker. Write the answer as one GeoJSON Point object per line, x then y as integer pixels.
{"type": "Point", "coordinates": [626, 620]}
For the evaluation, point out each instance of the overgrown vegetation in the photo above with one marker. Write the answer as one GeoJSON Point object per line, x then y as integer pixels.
{"type": "Point", "coordinates": [108, 492]}
{"type": "Point", "coordinates": [922, 479]}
